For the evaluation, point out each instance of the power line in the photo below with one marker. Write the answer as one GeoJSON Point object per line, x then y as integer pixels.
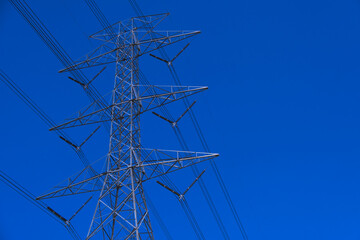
{"type": "Point", "coordinates": [124, 134]}
{"type": "Point", "coordinates": [158, 217]}
{"type": "Point", "coordinates": [186, 208]}
{"type": "Point", "coordinates": [40, 113]}
{"type": "Point", "coordinates": [53, 44]}
{"type": "Point", "coordinates": [106, 25]}
{"type": "Point", "coordinates": [10, 182]}
{"type": "Point", "coordinates": [214, 166]}
{"type": "Point", "coordinates": [203, 187]}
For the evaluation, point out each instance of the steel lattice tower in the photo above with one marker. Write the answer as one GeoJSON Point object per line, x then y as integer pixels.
{"type": "Point", "coordinates": [121, 211]}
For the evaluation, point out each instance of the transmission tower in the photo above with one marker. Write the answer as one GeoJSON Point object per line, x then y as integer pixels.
{"type": "Point", "coordinates": [121, 210]}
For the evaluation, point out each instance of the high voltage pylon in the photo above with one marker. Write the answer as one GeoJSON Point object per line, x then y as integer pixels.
{"type": "Point", "coordinates": [121, 211]}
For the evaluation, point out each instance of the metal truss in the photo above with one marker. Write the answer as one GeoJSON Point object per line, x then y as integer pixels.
{"type": "Point", "coordinates": [121, 211]}
{"type": "Point", "coordinates": [149, 97]}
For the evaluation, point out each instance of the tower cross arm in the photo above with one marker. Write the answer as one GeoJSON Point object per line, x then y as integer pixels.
{"type": "Point", "coordinates": [157, 162]}
{"type": "Point", "coordinates": [81, 183]}
{"type": "Point", "coordinates": [146, 43]}
{"type": "Point", "coordinates": [150, 97]}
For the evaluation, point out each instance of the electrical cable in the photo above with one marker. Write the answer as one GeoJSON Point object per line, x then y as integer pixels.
{"type": "Point", "coordinates": [29, 15]}
{"type": "Point", "coordinates": [194, 168]}
{"type": "Point", "coordinates": [48, 40]}
{"type": "Point", "coordinates": [158, 217]}
{"type": "Point", "coordinates": [105, 24]}
{"type": "Point", "coordinates": [41, 114]}
{"type": "Point", "coordinates": [10, 182]}
{"type": "Point", "coordinates": [214, 166]}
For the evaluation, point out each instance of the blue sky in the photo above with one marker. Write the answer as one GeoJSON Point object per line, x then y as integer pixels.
{"type": "Point", "coordinates": [281, 109]}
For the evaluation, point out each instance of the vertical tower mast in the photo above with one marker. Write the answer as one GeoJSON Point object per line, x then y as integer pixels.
{"type": "Point", "coordinates": [128, 201]}
{"type": "Point", "coordinates": [121, 211]}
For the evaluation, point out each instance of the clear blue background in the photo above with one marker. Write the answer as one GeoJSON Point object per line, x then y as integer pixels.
{"type": "Point", "coordinates": [281, 109]}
